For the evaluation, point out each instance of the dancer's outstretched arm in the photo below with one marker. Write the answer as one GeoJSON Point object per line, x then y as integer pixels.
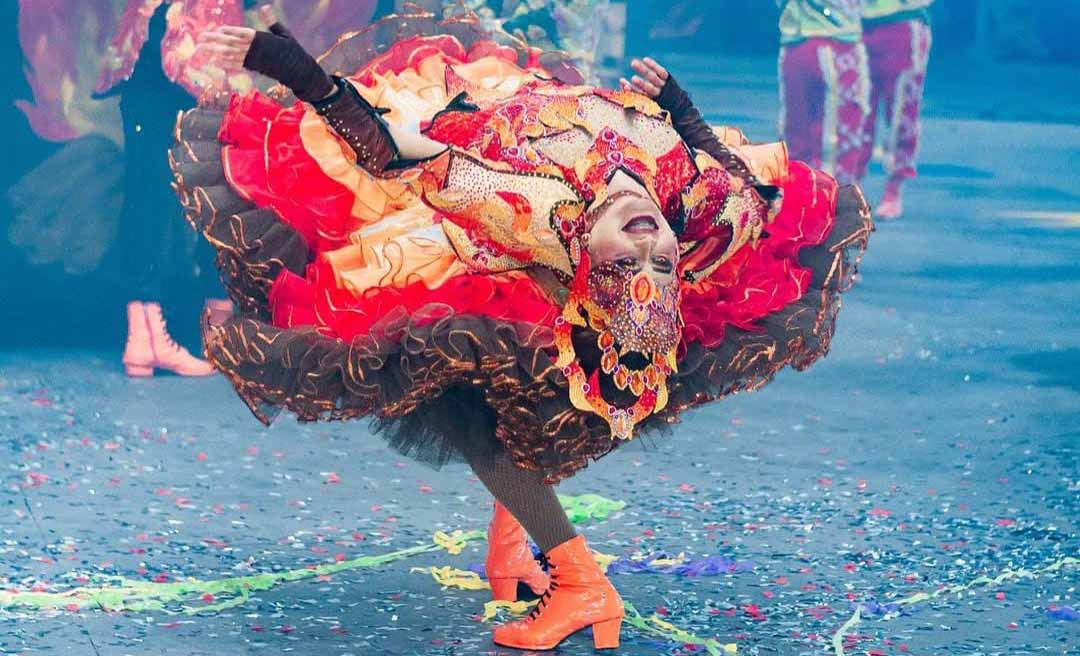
{"type": "Point", "coordinates": [278, 55]}
{"type": "Point", "coordinates": [654, 81]}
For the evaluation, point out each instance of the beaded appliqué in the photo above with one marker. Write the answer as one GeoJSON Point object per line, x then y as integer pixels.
{"type": "Point", "coordinates": [630, 315]}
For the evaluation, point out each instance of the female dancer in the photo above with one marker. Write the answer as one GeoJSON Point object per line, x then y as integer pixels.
{"type": "Point", "coordinates": [546, 271]}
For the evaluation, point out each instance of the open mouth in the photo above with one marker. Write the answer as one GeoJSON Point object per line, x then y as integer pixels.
{"type": "Point", "coordinates": [641, 225]}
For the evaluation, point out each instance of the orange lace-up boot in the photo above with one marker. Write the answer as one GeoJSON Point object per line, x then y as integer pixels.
{"type": "Point", "coordinates": [509, 559]}
{"type": "Point", "coordinates": [150, 347]}
{"type": "Point", "coordinates": [579, 596]}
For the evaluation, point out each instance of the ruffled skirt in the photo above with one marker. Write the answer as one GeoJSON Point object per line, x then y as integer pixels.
{"type": "Point", "coordinates": [352, 304]}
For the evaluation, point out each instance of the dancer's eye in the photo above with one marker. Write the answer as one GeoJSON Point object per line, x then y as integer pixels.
{"type": "Point", "coordinates": [663, 264]}
{"type": "Point", "coordinates": [628, 263]}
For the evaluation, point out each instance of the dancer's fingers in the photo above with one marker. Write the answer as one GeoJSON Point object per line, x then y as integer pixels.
{"type": "Point", "coordinates": [219, 50]}
{"type": "Point", "coordinates": [652, 76]}
{"type": "Point", "coordinates": [266, 15]}
{"type": "Point", "coordinates": [659, 70]}
{"type": "Point", "coordinates": [219, 38]}
{"type": "Point", "coordinates": [225, 56]}
{"type": "Point", "coordinates": [646, 73]}
{"type": "Point", "coordinates": [646, 87]}
{"type": "Point", "coordinates": [237, 31]}
{"type": "Point", "coordinates": [625, 84]}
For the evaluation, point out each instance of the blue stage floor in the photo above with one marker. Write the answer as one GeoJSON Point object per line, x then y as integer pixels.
{"type": "Point", "coordinates": [936, 446]}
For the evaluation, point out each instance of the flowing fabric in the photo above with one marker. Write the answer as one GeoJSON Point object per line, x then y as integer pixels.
{"type": "Point", "coordinates": [359, 298]}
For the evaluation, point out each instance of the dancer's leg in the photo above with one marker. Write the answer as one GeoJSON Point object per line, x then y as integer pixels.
{"type": "Point", "coordinates": [579, 595]}
{"type": "Point", "coordinates": [524, 493]}
{"type": "Point", "coordinates": [880, 83]}
{"type": "Point", "coordinates": [900, 52]}
{"type": "Point", "coordinates": [848, 95]}
{"type": "Point", "coordinates": [907, 100]}
{"type": "Point", "coordinates": [802, 91]}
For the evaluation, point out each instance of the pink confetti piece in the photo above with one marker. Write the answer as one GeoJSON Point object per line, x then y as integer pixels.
{"type": "Point", "coordinates": [35, 479]}
{"type": "Point", "coordinates": [754, 613]}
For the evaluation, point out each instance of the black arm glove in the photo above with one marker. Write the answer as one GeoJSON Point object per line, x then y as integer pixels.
{"type": "Point", "coordinates": [697, 134]}
{"type": "Point", "coordinates": [278, 55]}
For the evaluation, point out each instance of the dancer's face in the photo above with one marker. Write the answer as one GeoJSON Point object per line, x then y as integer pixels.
{"type": "Point", "coordinates": [630, 231]}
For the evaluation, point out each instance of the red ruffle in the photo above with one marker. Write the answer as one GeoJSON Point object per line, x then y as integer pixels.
{"type": "Point", "coordinates": [266, 163]}
{"type": "Point", "coordinates": [756, 282]}
{"type": "Point", "coordinates": [310, 301]}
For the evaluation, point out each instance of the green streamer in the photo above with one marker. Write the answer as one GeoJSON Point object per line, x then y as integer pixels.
{"type": "Point", "coordinates": [117, 593]}
{"type": "Point", "coordinates": [660, 628]}
{"type": "Point", "coordinates": [585, 507]}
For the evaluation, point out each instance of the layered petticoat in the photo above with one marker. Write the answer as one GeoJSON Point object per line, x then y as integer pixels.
{"type": "Point", "coordinates": [353, 302]}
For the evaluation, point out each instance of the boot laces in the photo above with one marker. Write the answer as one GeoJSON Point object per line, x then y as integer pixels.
{"type": "Point", "coordinates": [553, 584]}
{"type": "Point", "coordinates": [169, 341]}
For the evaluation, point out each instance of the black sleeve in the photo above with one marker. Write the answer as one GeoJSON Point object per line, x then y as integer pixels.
{"type": "Point", "coordinates": [697, 134]}
{"type": "Point", "coordinates": [360, 125]}
{"type": "Point", "coordinates": [276, 54]}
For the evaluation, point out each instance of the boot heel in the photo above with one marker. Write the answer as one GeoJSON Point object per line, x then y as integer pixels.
{"type": "Point", "coordinates": [605, 635]}
{"type": "Point", "coordinates": [135, 371]}
{"type": "Point", "coordinates": [504, 589]}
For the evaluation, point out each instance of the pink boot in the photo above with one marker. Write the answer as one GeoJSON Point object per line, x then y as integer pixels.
{"type": "Point", "coordinates": [150, 347]}
{"type": "Point", "coordinates": [139, 352]}
{"type": "Point", "coordinates": [892, 202]}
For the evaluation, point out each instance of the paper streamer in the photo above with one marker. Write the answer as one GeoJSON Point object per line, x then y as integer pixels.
{"type": "Point", "coordinates": [117, 593]}
{"type": "Point", "coordinates": [980, 582]}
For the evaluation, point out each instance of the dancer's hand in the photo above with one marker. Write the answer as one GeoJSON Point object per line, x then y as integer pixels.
{"type": "Point", "coordinates": [226, 45]}
{"type": "Point", "coordinates": [275, 54]}
{"type": "Point", "coordinates": [229, 44]}
{"type": "Point", "coordinates": [649, 80]}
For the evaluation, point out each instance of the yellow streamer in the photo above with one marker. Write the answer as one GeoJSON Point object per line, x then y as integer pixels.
{"type": "Point", "coordinates": [492, 608]}
{"type": "Point", "coordinates": [450, 577]}
{"type": "Point", "coordinates": [453, 542]}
